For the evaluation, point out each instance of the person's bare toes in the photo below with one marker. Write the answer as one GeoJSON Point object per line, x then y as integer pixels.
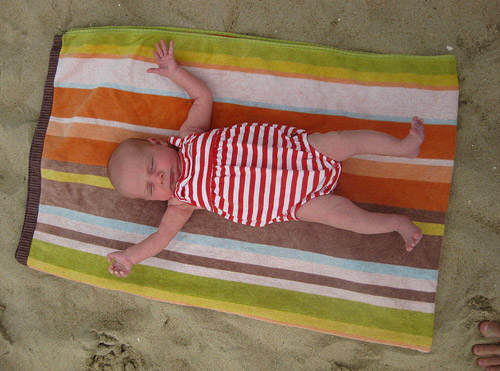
{"type": "Point", "coordinates": [489, 361]}
{"type": "Point", "coordinates": [485, 350]}
{"type": "Point", "coordinates": [490, 329]}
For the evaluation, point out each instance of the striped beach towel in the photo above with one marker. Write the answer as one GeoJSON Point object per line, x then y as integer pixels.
{"type": "Point", "coordinates": [294, 273]}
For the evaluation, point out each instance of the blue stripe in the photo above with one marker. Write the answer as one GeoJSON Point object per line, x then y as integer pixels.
{"type": "Point", "coordinates": [98, 220]}
{"type": "Point", "coordinates": [279, 107]}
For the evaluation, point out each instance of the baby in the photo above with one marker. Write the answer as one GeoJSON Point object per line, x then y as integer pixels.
{"type": "Point", "coordinates": [254, 174]}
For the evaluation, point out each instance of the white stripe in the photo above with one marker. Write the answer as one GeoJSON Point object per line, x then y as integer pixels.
{"type": "Point", "coordinates": [72, 244]}
{"type": "Point", "coordinates": [278, 191]}
{"type": "Point", "coordinates": [300, 179]}
{"type": "Point", "coordinates": [229, 154]}
{"type": "Point", "coordinates": [243, 86]}
{"type": "Point", "coordinates": [114, 124]}
{"type": "Point", "coordinates": [269, 174]}
{"type": "Point", "coordinates": [402, 160]}
{"type": "Point", "coordinates": [287, 195]}
{"type": "Point", "coordinates": [196, 174]}
{"type": "Point", "coordinates": [310, 177]}
{"type": "Point", "coordinates": [206, 171]}
{"type": "Point", "coordinates": [237, 171]}
{"type": "Point", "coordinates": [248, 278]}
{"type": "Point", "coordinates": [248, 175]}
{"type": "Point", "coordinates": [258, 166]}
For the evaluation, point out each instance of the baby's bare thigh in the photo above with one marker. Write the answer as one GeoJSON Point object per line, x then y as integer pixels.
{"type": "Point", "coordinates": [320, 208]}
{"type": "Point", "coordinates": [331, 144]}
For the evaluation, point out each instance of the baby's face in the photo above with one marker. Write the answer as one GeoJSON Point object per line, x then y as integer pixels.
{"type": "Point", "coordinates": [150, 173]}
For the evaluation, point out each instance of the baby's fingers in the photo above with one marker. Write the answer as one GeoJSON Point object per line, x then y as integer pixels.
{"type": "Point", "coordinates": [160, 50]}
{"type": "Point", "coordinates": [112, 269]}
{"type": "Point", "coordinates": [121, 273]}
{"type": "Point", "coordinates": [171, 49]}
{"type": "Point", "coordinates": [164, 47]}
{"type": "Point", "coordinates": [116, 270]}
{"type": "Point", "coordinates": [110, 257]}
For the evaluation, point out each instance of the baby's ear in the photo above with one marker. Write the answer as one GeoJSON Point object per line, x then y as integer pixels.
{"type": "Point", "coordinates": [157, 141]}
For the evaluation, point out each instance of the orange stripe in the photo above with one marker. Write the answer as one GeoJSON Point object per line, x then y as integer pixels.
{"type": "Point", "coordinates": [118, 105]}
{"type": "Point", "coordinates": [424, 173]}
{"type": "Point", "coordinates": [394, 192]}
{"type": "Point", "coordinates": [77, 150]}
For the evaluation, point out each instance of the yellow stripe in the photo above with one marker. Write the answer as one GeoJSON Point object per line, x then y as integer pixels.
{"type": "Point", "coordinates": [431, 229]}
{"type": "Point", "coordinates": [93, 180]}
{"type": "Point", "coordinates": [199, 58]}
{"type": "Point", "coordinates": [419, 342]}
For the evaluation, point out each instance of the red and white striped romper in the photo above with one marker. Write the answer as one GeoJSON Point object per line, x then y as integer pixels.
{"type": "Point", "coordinates": [254, 174]}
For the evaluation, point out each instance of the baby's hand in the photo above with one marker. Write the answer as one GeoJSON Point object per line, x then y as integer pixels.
{"type": "Point", "coordinates": [121, 264]}
{"type": "Point", "coordinates": [167, 66]}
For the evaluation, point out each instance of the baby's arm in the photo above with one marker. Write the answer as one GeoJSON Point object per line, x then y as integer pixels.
{"type": "Point", "coordinates": [200, 114]}
{"type": "Point", "coordinates": [176, 215]}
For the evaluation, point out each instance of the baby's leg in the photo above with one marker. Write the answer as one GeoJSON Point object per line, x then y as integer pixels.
{"type": "Point", "coordinates": [339, 212]}
{"type": "Point", "coordinates": [340, 145]}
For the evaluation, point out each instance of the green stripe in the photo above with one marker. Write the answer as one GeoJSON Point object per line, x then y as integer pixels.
{"type": "Point", "coordinates": [402, 321]}
{"type": "Point", "coordinates": [248, 46]}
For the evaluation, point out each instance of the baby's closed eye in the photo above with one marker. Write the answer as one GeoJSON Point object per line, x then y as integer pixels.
{"type": "Point", "coordinates": [151, 165]}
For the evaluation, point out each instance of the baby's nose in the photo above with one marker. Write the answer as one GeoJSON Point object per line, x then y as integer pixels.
{"type": "Point", "coordinates": [160, 177]}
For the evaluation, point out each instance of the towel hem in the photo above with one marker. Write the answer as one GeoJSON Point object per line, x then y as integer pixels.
{"type": "Point", "coordinates": [34, 182]}
{"type": "Point", "coordinates": [260, 39]}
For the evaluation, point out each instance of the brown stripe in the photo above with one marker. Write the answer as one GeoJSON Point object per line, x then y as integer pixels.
{"type": "Point", "coordinates": [102, 202]}
{"type": "Point", "coordinates": [33, 197]}
{"type": "Point", "coordinates": [384, 248]}
{"type": "Point", "coordinates": [113, 205]}
{"type": "Point", "coordinates": [427, 216]}
{"type": "Point", "coordinates": [82, 237]}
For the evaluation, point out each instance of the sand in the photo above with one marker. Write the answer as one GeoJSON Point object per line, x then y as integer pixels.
{"type": "Point", "coordinates": [47, 323]}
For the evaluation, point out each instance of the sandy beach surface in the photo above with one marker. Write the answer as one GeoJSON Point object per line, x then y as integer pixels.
{"type": "Point", "coordinates": [48, 323]}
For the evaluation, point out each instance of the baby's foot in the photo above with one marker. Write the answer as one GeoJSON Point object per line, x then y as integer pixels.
{"type": "Point", "coordinates": [410, 233]}
{"type": "Point", "coordinates": [411, 144]}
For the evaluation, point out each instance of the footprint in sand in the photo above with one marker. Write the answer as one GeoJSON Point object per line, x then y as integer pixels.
{"type": "Point", "coordinates": [3, 332]}
{"type": "Point", "coordinates": [110, 354]}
